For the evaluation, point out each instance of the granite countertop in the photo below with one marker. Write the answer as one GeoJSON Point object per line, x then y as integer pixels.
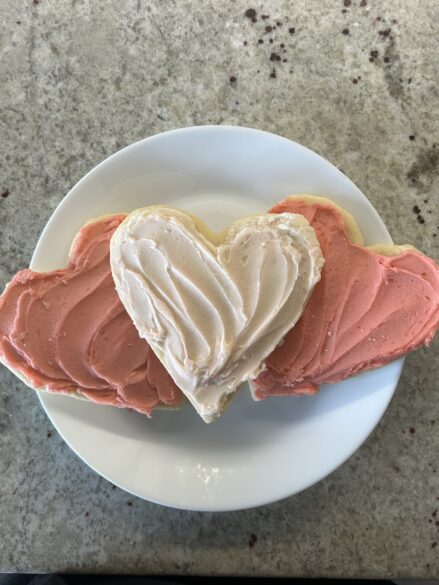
{"type": "Point", "coordinates": [354, 80]}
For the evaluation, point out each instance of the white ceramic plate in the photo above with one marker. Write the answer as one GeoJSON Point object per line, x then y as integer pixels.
{"type": "Point", "coordinates": [257, 452]}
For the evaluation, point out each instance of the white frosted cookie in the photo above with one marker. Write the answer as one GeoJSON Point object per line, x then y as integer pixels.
{"type": "Point", "coordinates": [213, 306]}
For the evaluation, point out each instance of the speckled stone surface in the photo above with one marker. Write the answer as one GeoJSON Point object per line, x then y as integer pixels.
{"type": "Point", "coordinates": [356, 82]}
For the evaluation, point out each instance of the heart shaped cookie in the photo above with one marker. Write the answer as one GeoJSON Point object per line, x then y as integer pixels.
{"type": "Point", "coordinates": [67, 332]}
{"type": "Point", "coordinates": [213, 306]}
{"type": "Point", "coordinates": [372, 305]}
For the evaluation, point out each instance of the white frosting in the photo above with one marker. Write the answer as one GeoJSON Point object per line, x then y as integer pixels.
{"type": "Point", "coordinates": [213, 306]}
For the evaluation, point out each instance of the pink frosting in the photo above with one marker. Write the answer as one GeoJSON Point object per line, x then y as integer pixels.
{"type": "Point", "coordinates": [367, 310]}
{"type": "Point", "coordinates": [67, 330]}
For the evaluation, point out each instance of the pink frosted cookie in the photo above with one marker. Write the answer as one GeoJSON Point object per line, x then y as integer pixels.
{"type": "Point", "coordinates": [67, 332]}
{"type": "Point", "coordinates": [372, 305]}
